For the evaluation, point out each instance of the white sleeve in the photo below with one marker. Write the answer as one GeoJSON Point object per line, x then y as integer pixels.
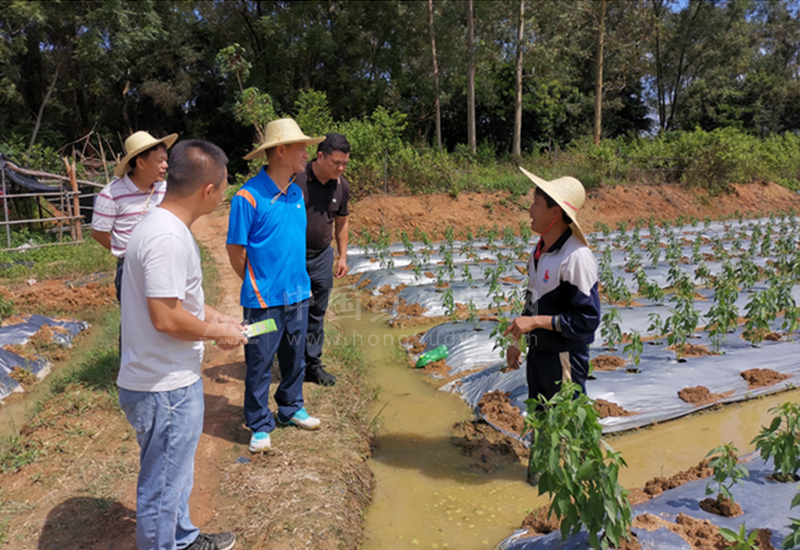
{"type": "Point", "coordinates": [580, 270]}
{"type": "Point", "coordinates": [165, 260]}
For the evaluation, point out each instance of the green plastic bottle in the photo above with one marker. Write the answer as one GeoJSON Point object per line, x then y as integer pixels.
{"type": "Point", "coordinates": [434, 355]}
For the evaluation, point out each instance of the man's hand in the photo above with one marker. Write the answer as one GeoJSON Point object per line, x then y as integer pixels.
{"type": "Point", "coordinates": [231, 336]}
{"type": "Point", "coordinates": [522, 325]}
{"type": "Point", "coordinates": [341, 267]}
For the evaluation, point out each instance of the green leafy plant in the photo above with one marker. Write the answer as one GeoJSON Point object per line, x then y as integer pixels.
{"type": "Point", "coordinates": [781, 441]}
{"type": "Point", "coordinates": [740, 539]}
{"type": "Point", "coordinates": [577, 468]}
{"type": "Point", "coordinates": [723, 314]}
{"type": "Point", "coordinates": [726, 471]}
{"type": "Point", "coordinates": [792, 540]}
{"type": "Point", "coordinates": [657, 327]}
{"type": "Point", "coordinates": [610, 328]}
{"type": "Point", "coordinates": [634, 348]}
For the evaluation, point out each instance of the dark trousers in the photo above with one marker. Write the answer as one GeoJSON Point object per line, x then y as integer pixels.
{"type": "Point", "coordinates": [545, 370]}
{"type": "Point", "coordinates": [259, 353]}
{"type": "Point", "coordinates": [320, 271]}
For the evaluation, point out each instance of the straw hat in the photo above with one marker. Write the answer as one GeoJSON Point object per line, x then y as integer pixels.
{"type": "Point", "coordinates": [283, 131]}
{"type": "Point", "coordinates": [568, 194]}
{"type": "Point", "coordinates": [139, 143]}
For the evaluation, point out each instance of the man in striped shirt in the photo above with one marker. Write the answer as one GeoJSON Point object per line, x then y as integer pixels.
{"type": "Point", "coordinates": [139, 188]}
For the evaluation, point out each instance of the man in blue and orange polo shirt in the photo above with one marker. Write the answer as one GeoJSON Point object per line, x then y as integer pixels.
{"type": "Point", "coordinates": [267, 249]}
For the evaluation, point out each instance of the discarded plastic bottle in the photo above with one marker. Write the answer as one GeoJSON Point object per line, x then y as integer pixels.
{"type": "Point", "coordinates": [434, 355]}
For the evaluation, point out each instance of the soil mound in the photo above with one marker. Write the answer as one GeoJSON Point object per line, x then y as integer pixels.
{"type": "Point", "coordinates": [658, 485]}
{"type": "Point", "coordinates": [773, 337]}
{"type": "Point", "coordinates": [607, 408]}
{"type": "Point", "coordinates": [758, 378]}
{"type": "Point", "coordinates": [699, 395]}
{"type": "Point", "coordinates": [437, 368]}
{"type": "Point", "coordinates": [511, 280]}
{"type": "Point", "coordinates": [53, 296]}
{"type": "Point", "coordinates": [699, 534]}
{"type": "Point", "coordinates": [608, 362]}
{"type": "Point", "coordinates": [413, 341]}
{"type": "Point", "coordinates": [540, 522]}
{"type": "Point", "coordinates": [691, 350]}
{"type": "Point", "coordinates": [492, 450]}
{"type": "Point", "coordinates": [725, 507]}
{"type": "Point", "coordinates": [496, 407]}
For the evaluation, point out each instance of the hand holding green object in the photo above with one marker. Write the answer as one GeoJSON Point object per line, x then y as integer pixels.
{"type": "Point", "coordinates": [261, 327]}
{"type": "Point", "coordinates": [434, 355]}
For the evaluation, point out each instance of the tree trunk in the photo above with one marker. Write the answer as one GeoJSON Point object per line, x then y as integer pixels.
{"type": "Point", "coordinates": [42, 106]}
{"type": "Point", "coordinates": [517, 146]}
{"type": "Point", "coordinates": [598, 86]}
{"type": "Point", "coordinates": [435, 77]}
{"type": "Point", "coordinates": [658, 9]}
{"type": "Point", "coordinates": [473, 144]}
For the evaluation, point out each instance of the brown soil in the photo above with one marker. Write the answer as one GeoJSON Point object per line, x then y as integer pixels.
{"type": "Point", "coordinates": [540, 522]}
{"type": "Point", "coordinates": [498, 410]}
{"type": "Point", "coordinates": [699, 534]}
{"type": "Point", "coordinates": [691, 350]}
{"type": "Point", "coordinates": [773, 337]}
{"type": "Point", "coordinates": [521, 269]}
{"type": "Point", "coordinates": [606, 204]}
{"type": "Point", "coordinates": [725, 508]}
{"type": "Point", "coordinates": [511, 280]}
{"type": "Point", "coordinates": [758, 378]}
{"type": "Point", "coordinates": [608, 362]}
{"type": "Point", "coordinates": [764, 539]}
{"type": "Point", "coordinates": [23, 351]}
{"type": "Point", "coordinates": [699, 395]}
{"type": "Point", "coordinates": [658, 485]}
{"type": "Point", "coordinates": [491, 450]}
{"type": "Point", "coordinates": [13, 320]}
{"type": "Point", "coordinates": [607, 408]}
{"type": "Point", "coordinates": [43, 342]}
{"type": "Point", "coordinates": [53, 296]}
{"type": "Point", "coordinates": [23, 376]}
{"type": "Point", "coordinates": [437, 368]}
{"type": "Point", "coordinates": [429, 274]}
{"type": "Point", "coordinates": [413, 341]}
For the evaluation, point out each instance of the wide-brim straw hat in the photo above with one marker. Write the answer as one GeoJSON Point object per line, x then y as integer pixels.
{"type": "Point", "coordinates": [283, 131]}
{"type": "Point", "coordinates": [568, 194]}
{"type": "Point", "coordinates": [139, 143]}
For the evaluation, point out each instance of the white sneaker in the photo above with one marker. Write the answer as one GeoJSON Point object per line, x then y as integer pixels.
{"type": "Point", "coordinates": [303, 420]}
{"type": "Point", "coordinates": [259, 442]}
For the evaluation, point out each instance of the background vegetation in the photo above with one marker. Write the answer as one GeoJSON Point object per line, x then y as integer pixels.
{"type": "Point", "coordinates": [697, 91]}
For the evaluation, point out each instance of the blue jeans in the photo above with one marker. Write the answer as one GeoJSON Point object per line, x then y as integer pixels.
{"type": "Point", "coordinates": [168, 426]}
{"type": "Point", "coordinates": [289, 342]}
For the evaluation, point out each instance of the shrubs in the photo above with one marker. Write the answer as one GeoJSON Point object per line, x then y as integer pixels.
{"type": "Point", "coordinates": [781, 441]}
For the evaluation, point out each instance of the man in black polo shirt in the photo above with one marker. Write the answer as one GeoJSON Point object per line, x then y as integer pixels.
{"type": "Point", "coordinates": [327, 194]}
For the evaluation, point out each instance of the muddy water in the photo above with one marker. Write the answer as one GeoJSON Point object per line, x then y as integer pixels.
{"type": "Point", "coordinates": [429, 495]}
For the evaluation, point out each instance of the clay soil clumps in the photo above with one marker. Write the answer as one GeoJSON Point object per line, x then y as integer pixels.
{"type": "Point", "coordinates": [607, 408]}
{"type": "Point", "coordinates": [725, 507]}
{"type": "Point", "coordinates": [497, 408]}
{"type": "Point", "coordinates": [699, 395]}
{"type": "Point", "coordinates": [758, 378]}
{"type": "Point", "coordinates": [492, 450]}
{"type": "Point", "coordinates": [608, 362]}
{"type": "Point", "coordinates": [413, 341]}
{"type": "Point", "coordinates": [699, 534]}
{"type": "Point", "coordinates": [658, 485]}
{"type": "Point", "coordinates": [691, 350]}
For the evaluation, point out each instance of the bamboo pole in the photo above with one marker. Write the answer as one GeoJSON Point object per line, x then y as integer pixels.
{"type": "Point", "coordinates": [76, 205]}
{"type": "Point", "coordinates": [37, 174]}
{"type": "Point", "coordinates": [5, 207]}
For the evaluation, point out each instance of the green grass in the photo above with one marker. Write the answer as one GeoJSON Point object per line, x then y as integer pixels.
{"type": "Point", "coordinates": [212, 289]}
{"type": "Point", "coordinates": [53, 262]}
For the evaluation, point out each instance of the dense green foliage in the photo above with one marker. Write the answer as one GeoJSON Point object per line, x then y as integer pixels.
{"type": "Point", "coordinates": [577, 468]}
{"type": "Point", "coordinates": [781, 441]}
{"type": "Point", "coordinates": [718, 79]}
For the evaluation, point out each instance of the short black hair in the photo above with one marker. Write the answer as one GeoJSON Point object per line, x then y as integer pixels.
{"type": "Point", "coordinates": [192, 164]}
{"type": "Point", "coordinates": [334, 142]}
{"type": "Point", "coordinates": [144, 154]}
{"type": "Point", "coordinates": [551, 203]}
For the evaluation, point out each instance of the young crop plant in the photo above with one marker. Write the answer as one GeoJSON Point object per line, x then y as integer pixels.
{"type": "Point", "coordinates": [610, 328]}
{"type": "Point", "coordinates": [706, 224]}
{"type": "Point", "coordinates": [472, 312]}
{"type": "Point", "coordinates": [365, 241]}
{"type": "Point", "coordinates": [760, 312]}
{"type": "Point", "coordinates": [793, 539]}
{"type": "Point", "coordinates": [636, 241]}
{"type": "Point", "coordinates": [697, 257]}
{"type": "Point", "coordinates": [657, 327]}
{"type": "Point", "coordinates": [505, 342]}
{"type": "Point", "coordinates": [634, 262]}
{"type": "Point", "coordinates": [449, 304]}
{"type": "Point", "coordinates": [408, 245]}
{"type": "Point", "coordinates": [766, 244]}
{"type": "Point", "coordinates": [634, 348]}
{"type": "Point", "coordinates": [723, 315]}
{"type": "Point", "coordinates": [654, 251]}
{"type": "Point", "coordinates": [450, 236]}
{"type": "Point", "coordinates": [577, 468]}
{"type": "Point", "coordinates": [739, 539]}
{"type": "Point", "coordinates": [720, 253]}
{"type": "Point", "coordinates": [781, 441]}
{"type": "Point", "coordinates": [727, 471]}
{"type": "Point", "coordinates": [683, 320]}
{"type": "Point", "coordinates": [466, 273]}
{"type": "Point", "coordinates": [525, 231]}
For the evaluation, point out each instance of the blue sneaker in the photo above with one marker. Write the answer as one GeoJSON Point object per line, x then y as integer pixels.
{"type": "Point", "coordinates": [259, 442]}
{"type": "Point", "coordinates": [302, 419]}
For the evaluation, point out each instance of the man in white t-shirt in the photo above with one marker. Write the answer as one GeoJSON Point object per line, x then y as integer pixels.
{"type": "Point", "coordinates": [164, 320]}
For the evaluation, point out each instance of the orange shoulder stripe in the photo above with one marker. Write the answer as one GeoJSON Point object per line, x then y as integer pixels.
{"type": "Point", "coordinates": [247, 196]}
